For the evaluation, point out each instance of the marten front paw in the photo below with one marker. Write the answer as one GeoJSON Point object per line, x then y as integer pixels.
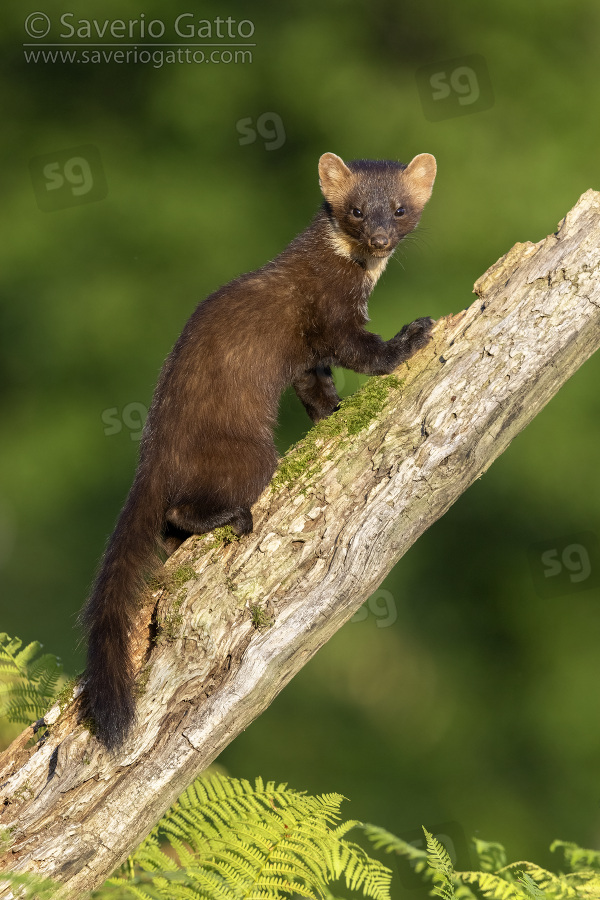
{"type": "Point", "coordinates": [415, 335]}
{"type": "Point", "coordinates": [419, 331]}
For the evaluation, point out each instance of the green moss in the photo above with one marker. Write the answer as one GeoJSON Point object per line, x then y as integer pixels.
{"type": "Point", "coordinates": [222, 536]}
{"type": "Point", "coordinates": [64, 697]}
{"type": "Point", "coordinates": [172, 622]}
{"type": "Point", "coordinates": [359, 410]}
{"type": "Point", "coordinates": [299, 460]}
{"type": "Point", "coordinates": [355, 413]}
{"type": "Point", "coordinates": [89, 724]}
{"type": "Point", "coordinates": [25, 792]}
{"type": "Point", "coordinates": [260, 619]}
{"type": "Point", "coordinates": [156, 583]}
{"type": "Point", "coordinates": [6, 839]}
{"type": "Point", "coordinates": [181, 575]}
{"type": "Point", "coordinates": [168, 581]}
{"type": "Point", "coordinates": [142, 682]}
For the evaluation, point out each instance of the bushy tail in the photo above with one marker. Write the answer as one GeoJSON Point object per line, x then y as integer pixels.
{"type": "Point", "coordinates": [111, 611]}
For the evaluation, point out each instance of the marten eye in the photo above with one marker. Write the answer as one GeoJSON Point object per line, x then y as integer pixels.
{"type": "Point", "coordinates": [399, 212]}
{"type": "Point", "coordinates": [357, 213]}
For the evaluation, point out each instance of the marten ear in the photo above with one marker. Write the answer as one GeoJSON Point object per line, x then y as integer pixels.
{"type": "Point", "coordinates": [419, 175]}
{"type": "Point", "coordinates": [334, 177]}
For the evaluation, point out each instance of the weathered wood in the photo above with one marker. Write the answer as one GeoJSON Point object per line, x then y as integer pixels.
{"type": "Point", "coordinates": [322, 543]}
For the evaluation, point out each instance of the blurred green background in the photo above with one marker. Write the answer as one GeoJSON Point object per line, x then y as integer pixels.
{"type": "Point", "coordinates": [464, 693]}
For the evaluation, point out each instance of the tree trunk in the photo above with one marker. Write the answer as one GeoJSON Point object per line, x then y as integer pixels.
{"type": "Point", "coordinates": [233, 622]}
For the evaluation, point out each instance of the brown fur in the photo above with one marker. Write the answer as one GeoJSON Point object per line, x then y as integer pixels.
{"type": "Point", "coordinates": [207, 450]}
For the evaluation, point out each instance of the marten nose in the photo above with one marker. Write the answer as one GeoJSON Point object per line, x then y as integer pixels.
{"type": "Point", "coordinates": [379, 241]}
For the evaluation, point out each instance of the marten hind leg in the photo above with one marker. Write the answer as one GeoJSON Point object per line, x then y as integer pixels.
{"type": "Point", "coordinates": [316, 390]}
{"type": "Point", "coordinates": [194, 520]}
{"type": "Point", "coordinates": [172, 538]}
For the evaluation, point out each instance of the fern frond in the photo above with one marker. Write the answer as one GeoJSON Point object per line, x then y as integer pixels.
{"type": "Point", "coordinates": [533, 876]}
{"type": "Point", "coordinates": [361, 872]}
{"type": "Point", "coordinates": [531, 888]}
{"type": "Point", "coordinates": [391, 843]}
{"type": "Point", "coordinates": [491, 856]}
{"type": "Point", "coordinates": [439, 860]}
{"type": "Point", "coordinates": [437, 855]}
{"type": "Point", "coordinates": [231, 840]}
{"type": "Point", "coordinates": [493, 886]}
{"type": "Point", "coordinates": [498, 881]}
{"type": "Point", "coordinates": [576, 857]}
{"type": "Point", "coordinates": [28, 681]}
{"type": "Point", "coordinates": [587, 884]}
{"type": "Point", "coordinates": [30, 887]}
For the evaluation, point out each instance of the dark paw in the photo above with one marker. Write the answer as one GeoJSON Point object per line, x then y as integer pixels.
{"type": "Point", "coordinates": [242, 522]}
{"type": "Point", "coordinates": [418, 333]}
{"type": "Point", "coordinates": [323, 411]}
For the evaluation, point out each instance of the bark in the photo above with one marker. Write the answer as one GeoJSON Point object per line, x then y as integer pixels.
{"type": "Point", "coordinates": [233, 622]}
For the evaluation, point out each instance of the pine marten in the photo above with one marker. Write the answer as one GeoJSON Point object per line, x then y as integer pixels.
{"type": "Point", "coordinates": [207, 449]}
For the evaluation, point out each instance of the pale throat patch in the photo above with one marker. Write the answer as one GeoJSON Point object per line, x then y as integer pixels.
{"type": "Point", "coordinates": [376, 265]}
{"type": "Point", "coordinates": [344, 246]}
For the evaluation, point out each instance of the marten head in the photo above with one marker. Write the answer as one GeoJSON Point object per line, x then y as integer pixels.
{"type": "Point", "coordinates": [373, 204]}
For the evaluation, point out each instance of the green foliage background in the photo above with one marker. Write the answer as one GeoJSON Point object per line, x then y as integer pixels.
{"type": "Point", "coordinates": [479, 704]}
